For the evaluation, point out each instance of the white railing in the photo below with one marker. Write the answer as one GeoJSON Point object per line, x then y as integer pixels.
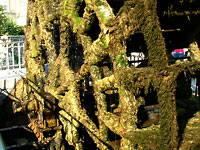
{"type": "Point", "coordinates": [11, 52]}
{"type": "Point", "coordinates": [11, 55]}
{"type": "Point", "coordinates": [12, 64]}
{"type": "Point", "coordinates": [136, 58]}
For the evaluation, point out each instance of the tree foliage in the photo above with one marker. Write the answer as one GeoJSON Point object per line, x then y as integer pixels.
{"type": "Point", "coordinates": [80, 87]}
{"type": "Point", "coordinates": [8, 26]}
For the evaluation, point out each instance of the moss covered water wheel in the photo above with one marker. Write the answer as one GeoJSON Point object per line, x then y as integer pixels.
{"type": "Point", "coordinates": [81, 92]}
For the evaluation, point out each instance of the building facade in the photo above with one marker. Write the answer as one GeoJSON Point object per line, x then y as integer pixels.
{"type": "Point", "coordinates": [17, 9]}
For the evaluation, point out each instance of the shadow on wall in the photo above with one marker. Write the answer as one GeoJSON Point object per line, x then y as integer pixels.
{"type": "Point", "coordinates": [2, 98]}
{"type": "Point", "coordinates": [11, 131]}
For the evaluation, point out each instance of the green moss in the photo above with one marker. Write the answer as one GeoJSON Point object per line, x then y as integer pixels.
{"type": "Point", "coordinates": [121, 60]}
{"type": "Point", "coordinates": [30, 76]}
{"type": "Point", "coordinates": [103, 11]}
{"type": "Point", "coordinates": [33, 30]}
{"type": "Point", "coordinates": [38, 6]}
{"type": "Point", "coordinates": [103, 19]}
{"type": "Point", "coordinates": [75, 18]}
{"type": "Point", "coordinates": [106, 40]}
{"type": "Point", "coordinates": [33, 46]}
{"type": "Point", "coordinates": [67, 12]}
{"type": "Point", "coordinates": [53, 77]}
{"type": "Point", "coordinates": [98, 3]}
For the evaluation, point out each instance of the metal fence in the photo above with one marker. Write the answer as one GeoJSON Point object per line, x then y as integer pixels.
{"type": "Point", "coordinates": [12, 64]}
{"type": "Point", "coordinates": [11, 52]}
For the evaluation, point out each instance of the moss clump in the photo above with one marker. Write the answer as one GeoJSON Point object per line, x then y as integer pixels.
{"type": "Point", "coordinates": [33, 46]}
{"type": "Point", "coordinates": [121, 60]}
